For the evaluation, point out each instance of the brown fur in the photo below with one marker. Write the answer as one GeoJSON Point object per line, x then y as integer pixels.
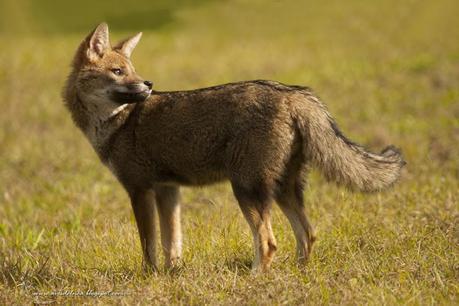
{"type": "Point", "coordinates": [262, 136]}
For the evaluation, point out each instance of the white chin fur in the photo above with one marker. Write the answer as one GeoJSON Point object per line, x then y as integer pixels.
{"type": "Point", "coordinates": [124, 89]}
{"type": "Point", "coordinates": [118, 109]}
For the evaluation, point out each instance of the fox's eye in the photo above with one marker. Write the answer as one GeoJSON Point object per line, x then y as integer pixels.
{"type": "Point", "coordinates": [117, 71]}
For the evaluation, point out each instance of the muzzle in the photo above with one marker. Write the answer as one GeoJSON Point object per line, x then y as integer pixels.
{"type": "Point", "coordinates": [132, 93]}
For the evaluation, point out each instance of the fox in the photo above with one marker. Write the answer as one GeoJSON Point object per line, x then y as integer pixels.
{"type": "Point", "coordinates": [261, 136]}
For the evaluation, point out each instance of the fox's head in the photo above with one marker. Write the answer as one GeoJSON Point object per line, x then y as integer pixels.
{"type": "Point", "coordinates": [103, 76]}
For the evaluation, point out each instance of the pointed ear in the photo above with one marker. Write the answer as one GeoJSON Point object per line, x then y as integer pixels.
{"type": "Point", "coordinates": [98, 42]}
{"type": "Point", "coordinates": [127, 46]}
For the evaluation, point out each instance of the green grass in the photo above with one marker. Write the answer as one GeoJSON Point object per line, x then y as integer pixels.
{"type": "Point", "coordinates": [388, 70]}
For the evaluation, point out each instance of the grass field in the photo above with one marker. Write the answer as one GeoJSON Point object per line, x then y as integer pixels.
{"type": "Point", "coordinates": [389, 72]}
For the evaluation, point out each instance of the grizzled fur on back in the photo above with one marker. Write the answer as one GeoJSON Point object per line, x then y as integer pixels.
{"type": "Point", "coordinates": [260, 135]}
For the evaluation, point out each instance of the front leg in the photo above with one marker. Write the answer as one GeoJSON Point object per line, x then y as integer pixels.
{"type": "Point", "coordinates": [143, 204]}
{"type": "Point", "coordinates": [167, 199]}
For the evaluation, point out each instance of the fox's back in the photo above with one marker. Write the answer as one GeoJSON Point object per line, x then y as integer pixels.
{"type": "Point", "coordinates": [236, 106]}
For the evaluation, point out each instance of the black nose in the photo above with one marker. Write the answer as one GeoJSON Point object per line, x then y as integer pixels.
{"type": "Point", "coordinates": [149, 84]}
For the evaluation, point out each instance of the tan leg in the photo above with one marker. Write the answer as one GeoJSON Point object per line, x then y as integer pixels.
{"type": "Point", "coordinates": [167, 199]}
{"type": "Point", "coordinates": [257, 214]}
{"type": "Point", "coordinates": [290, 200]}
{"type": "Point", "coordinates": [143, 203]}
{"type": "Point", "coordinates": [263, 239]}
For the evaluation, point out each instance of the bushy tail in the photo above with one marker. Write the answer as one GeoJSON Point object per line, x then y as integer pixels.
{"type": "Point", "coordinates": [338, 158]}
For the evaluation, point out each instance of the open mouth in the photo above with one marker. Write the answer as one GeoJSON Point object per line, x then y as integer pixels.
{"type": "Point", "coordinates": [131, 97]}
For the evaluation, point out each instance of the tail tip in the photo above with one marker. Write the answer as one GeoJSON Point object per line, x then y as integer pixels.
{"type": "Point", "coordinates": [394, 153]}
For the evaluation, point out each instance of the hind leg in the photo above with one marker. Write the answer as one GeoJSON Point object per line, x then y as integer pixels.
{"type": "Point", "coordinates": [255, 205]}
{"type": "Point", "coordinates": [290, 200]}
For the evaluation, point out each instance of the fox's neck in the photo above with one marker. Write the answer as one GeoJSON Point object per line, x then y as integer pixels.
{"type": "Point", "coordinates": [97, 120]}
{"type": "Point", "coordinates": [102, 122]}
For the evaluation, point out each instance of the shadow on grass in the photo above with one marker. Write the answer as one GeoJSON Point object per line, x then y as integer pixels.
{"type": "Point", "coordinates": [239, 265]}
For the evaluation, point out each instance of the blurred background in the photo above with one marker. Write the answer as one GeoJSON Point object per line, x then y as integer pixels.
{"type": "Point", "coordinates": [388, 71]}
